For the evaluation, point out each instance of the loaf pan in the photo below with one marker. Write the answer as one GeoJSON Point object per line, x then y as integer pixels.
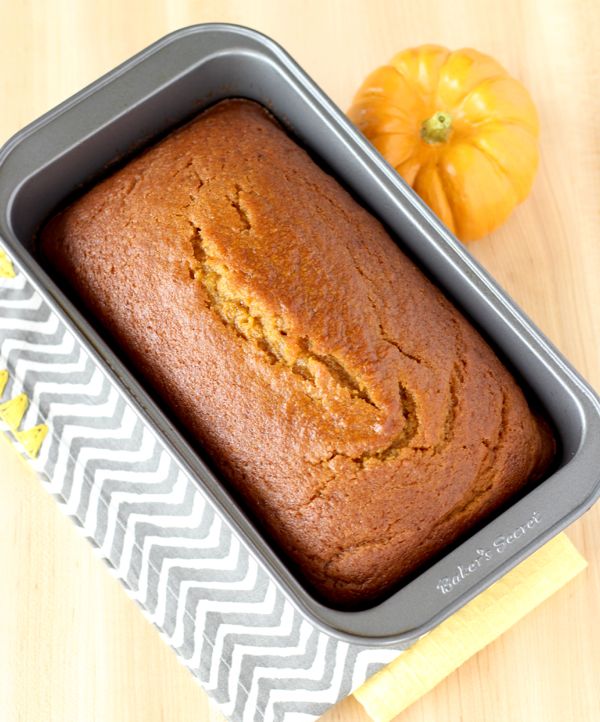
{"type": "Point", "coordinates": [173, 80]}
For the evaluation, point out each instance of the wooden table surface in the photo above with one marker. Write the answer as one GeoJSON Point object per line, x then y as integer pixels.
{"type": "Point", "coordinates": [73, 647]}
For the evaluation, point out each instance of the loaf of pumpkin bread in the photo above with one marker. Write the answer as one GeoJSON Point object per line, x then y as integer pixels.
{"type": "Point", "coordinates": [360, 418]}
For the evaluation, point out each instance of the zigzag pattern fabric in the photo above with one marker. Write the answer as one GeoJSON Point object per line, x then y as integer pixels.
{"type": "Point", "coordinates": [247, 645]}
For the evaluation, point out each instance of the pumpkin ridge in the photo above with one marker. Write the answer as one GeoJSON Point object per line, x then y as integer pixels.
{"type": "Point", "coordinates": [500, 168]}
{"type": "Point", "coordinates": [503, 175]}
{"type": "Point", "coordinates": [413, 84]}
{"type": "Point", "coordinates": [480, 56]}
{"type": "Point", "coordinates": [514, 123]}
{"type": "Point", "coordinates": [454, 227]}
{"type": "Point", "coordinates": [434, 163]}
{"type": "Point", "coordinates": [458, 105]}
{"type": "Point", "coordinates": [412, 151]}
{"type": "Point", "coordinates": [496, 118]}
{"type": "Point", "coordinates": [450, 195]}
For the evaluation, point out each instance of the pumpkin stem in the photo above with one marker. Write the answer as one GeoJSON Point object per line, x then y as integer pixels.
{"type": "Point", "coordinates": [437, 128]}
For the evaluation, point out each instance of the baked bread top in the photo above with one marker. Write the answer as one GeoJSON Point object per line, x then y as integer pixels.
{"type": "Point", "coordinates": [362, 419]}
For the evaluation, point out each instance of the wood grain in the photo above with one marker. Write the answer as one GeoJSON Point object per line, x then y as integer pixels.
{"type": "Point", "coordinates": [73, 647]}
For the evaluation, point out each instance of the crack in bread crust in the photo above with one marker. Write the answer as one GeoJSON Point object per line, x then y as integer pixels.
{"type": "Point", "coordinates": [393, 449]}
{"type": "Point", "coordinates": [456, 381]}
{"type": "Point", "coordinates": [268, 332]}
{"type": "Point", "coordinates": [485, 478]}
{"type": "Point", "coordinates": [239, 208]}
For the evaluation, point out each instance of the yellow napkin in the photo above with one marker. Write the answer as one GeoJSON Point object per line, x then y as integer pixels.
{"type": "Point", "coordinates": [473, 627]}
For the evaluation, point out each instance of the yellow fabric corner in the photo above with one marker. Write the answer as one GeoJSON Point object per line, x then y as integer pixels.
{"type": "Point", "coordinates": [13, 410]}
{"type": "Point", "coordinates": [32, 439]}
{"type": "Point", "coordinates": [469, 630]}
{"type": "Point", "coordinates": [6, 266]}
{"type": "Point", "coordinates": [3, 380]}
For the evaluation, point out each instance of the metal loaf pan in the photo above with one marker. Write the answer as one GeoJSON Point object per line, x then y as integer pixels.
{"type": "Point", "coordinates": [173, 80]}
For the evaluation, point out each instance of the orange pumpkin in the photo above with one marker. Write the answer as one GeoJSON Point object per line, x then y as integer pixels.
{"type": "Point", "coordinates": [458, 129]}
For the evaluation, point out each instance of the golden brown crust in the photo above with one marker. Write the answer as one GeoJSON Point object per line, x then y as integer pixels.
{"type": "Point", "coordinates": [362, 418]}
